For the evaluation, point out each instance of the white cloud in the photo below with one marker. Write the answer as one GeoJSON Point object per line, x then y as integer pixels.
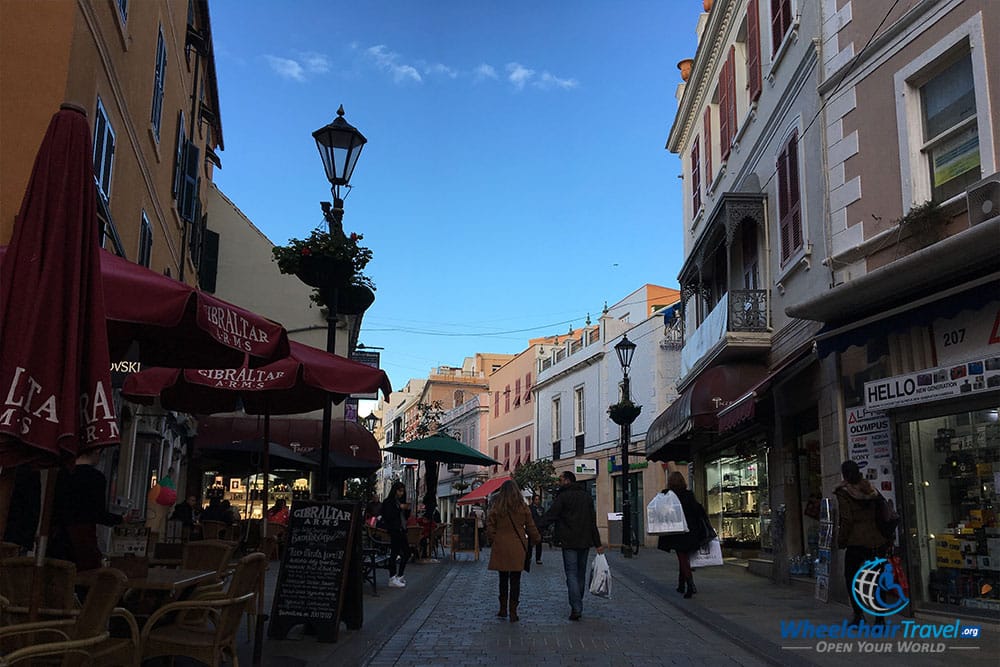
{"type": "Point", "coordinates": [439, 69]}
{"type": "Point", "coordinates": [286, 68]}
{"type": "Point", "coordinates": [484, 72]}
{"type": "Point", "coordinates": [389, 61]}
{"type": "Point", "coordinates": [317, 63]}
{"type": "Point", "coordinates": [548, 80]}
{"type": "Point", "coordinates": [519, 75]}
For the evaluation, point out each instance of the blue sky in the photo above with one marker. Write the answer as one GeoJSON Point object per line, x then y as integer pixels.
{"type": "Point", "coordinates": [515, 176]}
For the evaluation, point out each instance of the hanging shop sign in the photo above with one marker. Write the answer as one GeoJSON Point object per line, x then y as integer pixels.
{"type": "Point", "coordinates": [934, 384]}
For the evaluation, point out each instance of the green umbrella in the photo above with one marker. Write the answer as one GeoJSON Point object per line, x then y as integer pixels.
{"type": "Point", "coordinates": [443, 449]}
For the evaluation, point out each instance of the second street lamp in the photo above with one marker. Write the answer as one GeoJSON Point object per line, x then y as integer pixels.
{"type": "Point", "coordinates": [339, 145]}
{"type": "Point", "coordinates": [625, 349]}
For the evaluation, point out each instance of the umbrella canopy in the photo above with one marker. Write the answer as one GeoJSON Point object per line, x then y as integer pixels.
{"type": "Point", "coordinates": [443, 449]}
{"type": "Point", "coordinates": [298, 383]}
{"type": "Point", "coordinates": [244, 455]}
{"type": "Point", "coordinates": [54, 361]}
{"type": "Point", "coordinates": [177, 325]}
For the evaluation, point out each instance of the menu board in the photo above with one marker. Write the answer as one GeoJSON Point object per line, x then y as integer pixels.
{"type": "Point", "coordinates": [321, 543]}
{"type": "Point", "coordinates": [465, 536]}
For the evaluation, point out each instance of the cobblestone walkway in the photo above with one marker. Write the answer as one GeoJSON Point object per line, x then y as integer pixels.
{"type": "Point", "coordinates": [456, 626]}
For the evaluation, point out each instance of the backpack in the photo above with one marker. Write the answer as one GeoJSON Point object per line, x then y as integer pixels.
{"type": "Point", "coordinates": [886, 518]}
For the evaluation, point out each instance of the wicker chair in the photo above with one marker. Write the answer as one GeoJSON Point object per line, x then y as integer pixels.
{"type": "Point", "coordinates": [216, 530]}
{"type": "Point", "coordinates": [81, 640]}
{"type": "Point", "coordinates": [168, 633]}
{"type": "Point", "coordinates": [208, 555]}
{"type": "Point", "coordinates": [57, 578]}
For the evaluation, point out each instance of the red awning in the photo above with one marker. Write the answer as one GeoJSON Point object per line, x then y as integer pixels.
{"type": "Point", "coordinates": [483, 492]}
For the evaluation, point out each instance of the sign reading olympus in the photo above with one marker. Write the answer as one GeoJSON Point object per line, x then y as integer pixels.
{"type": "Point", "coordinates": [934, 384]}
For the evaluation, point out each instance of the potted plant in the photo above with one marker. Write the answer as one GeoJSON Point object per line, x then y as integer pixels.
{"type": "Point", "coordinates": [624, 412]}
{"type": "Point", "coordinates": [329, 261]}
{"type": "Point", "coordinates": [925, 222]}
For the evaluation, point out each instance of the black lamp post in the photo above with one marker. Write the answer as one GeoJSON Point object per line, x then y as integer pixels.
{"type": "Point", "coordinates": [625, 349]}
{"type": "Point", "coordinates": [339, 145]}
{"type": "Point", "coordinates": [370, 422]}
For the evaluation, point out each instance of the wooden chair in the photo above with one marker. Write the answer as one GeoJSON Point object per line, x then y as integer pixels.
{"type": "Point", "coordinates": [413, 540]}
{"type": "Point", "coordinates": [81, 640]}
{"type": "Point", "coordinates": [437, 541]}
{"type": "Point", "coordinates": [375, 551]}
{"type": "Point", "coordinates": [216, 530]}
{"type": "Point", "coordinates": [274, 543]}
{"type": "Point", "coordinates": [168, 633]}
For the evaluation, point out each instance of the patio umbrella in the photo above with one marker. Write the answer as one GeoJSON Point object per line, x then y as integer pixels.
{"type": "Point", "coordinates": [439, 448]}
{"type": "Point", "coordinates": [55, 369]}
{"type": "Point", "coordinates": [177, 325]}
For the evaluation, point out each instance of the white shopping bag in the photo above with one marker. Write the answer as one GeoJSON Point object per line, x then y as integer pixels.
{"type": "Point", "coordinates": [600, 577]}
{"type": "Point", "coordinates": [710, 554]}
{"type": "Point", "coordinates": [664, 515]}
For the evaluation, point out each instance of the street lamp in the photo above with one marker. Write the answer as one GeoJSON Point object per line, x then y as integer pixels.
{"type": "Point", "coordinates": [370, 422]}
{"type": "Point", "coordinates": [625, 349]}
{"type": "Point", "coordinates": [339, 145]}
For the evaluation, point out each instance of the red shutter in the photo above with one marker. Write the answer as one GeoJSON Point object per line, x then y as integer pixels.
{"type": "Point", "coordinates": [724, 136]}
{"type": "Point", "coordinates": [708, 147]}
{"type": "Point", "coordinates": [753, 49]}
{"type": "Point", "coordinates": [732, 92]}
{"type": "Point", "coordinates": [695, 179]}
{"type": "Point", "coordinates": [795, 221]}
{"type": "Point", "coordinates": [783, 217]}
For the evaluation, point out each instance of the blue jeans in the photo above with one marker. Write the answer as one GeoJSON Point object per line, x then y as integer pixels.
{"type": "Point", "coordinates": [575, 565]}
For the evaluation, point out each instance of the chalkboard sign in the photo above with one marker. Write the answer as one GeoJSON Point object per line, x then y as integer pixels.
{"type": "Point", "coordinates": [321, 544]}
{"type": "Point", "coordinates": [464, 535]}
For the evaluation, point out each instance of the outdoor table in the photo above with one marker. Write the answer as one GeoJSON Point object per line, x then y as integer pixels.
{"type": "Point", "coordinates": [159, 584]}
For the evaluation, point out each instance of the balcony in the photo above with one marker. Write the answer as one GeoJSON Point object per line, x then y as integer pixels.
{"type": "Point", "coordinates": [738, 327]}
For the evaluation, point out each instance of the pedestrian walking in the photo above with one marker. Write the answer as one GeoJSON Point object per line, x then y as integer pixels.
{"type": "Point", "coordinates": [392, 518]}
{"type": "Point", "coordinates": [857, 531]}
{"type": "Point", "coordinates": [575, 519]}
{"type": "Point", "coordinates": [536, 516]}
{"type": "Point", "coordinates": [684, 543]}
{"type": "Point", "coordinates": [512, 532]}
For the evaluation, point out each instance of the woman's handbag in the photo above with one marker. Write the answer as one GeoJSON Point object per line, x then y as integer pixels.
{"type": "Point", "coordinates": [527, 551]}
{"type": "Point", "coordinates": [665, 516]}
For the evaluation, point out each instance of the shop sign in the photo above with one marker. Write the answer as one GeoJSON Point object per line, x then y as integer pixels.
{"type": "Point", "coordinates": [368, 358]}
{"type": "Point", "coordinates": [869, 446]}
{"type": "Point", "coordinates": [616, 467]}
{"type": "Point", "coordinates": [968, 335]}
{"type": "Point", "coordinates": [585, 466]}
{"type": "Point", "coordinates": [934, 384]}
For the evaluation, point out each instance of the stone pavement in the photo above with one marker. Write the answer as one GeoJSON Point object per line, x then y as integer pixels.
{"type": "Point", "coordinates": [446, 616]}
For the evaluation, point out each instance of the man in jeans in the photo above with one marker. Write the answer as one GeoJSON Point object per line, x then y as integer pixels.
{"type": "Point", "coordinates": [576, 531]}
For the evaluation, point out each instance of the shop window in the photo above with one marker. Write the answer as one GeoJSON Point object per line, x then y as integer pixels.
{"type": "Point", "coordinates": [737, 499]}
{"type": "Point", "coordinates": [949, 495]}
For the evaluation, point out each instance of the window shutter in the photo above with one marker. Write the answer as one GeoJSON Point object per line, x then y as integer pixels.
{"type": "Point", "coordinates": [209, 266]}
{"type": "Point", "coordinates": [795, 221]}
{"type": "Point", "coordinates": [783, 216]}
{"type": "Point", "coordinates": [189, 192]}
{"type": "Point", "coordinates": [753, 49]}
{"type": "Point", "coordinates": [731, 97]}
{"type": "Point", "coordinates": [179, 157]}
{"type": "Point", "coordinates": [695, 179]}
{"type": "Point", "coordinates": [708, 147]}
{"type": "Point", "coordinates": [724, 137]}
{"type": "Point", "coordinates": [776, 31]}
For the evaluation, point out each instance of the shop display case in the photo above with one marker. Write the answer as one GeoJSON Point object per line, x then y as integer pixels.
{"type": "Point", "coordinates": [734, 507]}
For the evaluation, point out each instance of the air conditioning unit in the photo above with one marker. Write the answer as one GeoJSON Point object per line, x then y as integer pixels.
{"type": "Point", "coordinates": [983, 199]}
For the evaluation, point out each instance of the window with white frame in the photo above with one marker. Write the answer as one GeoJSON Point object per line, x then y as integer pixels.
{"type": "Point", "coordinates": [556, 419]}
{"type": "Point", "coordinates": [159, 74]}
{"type": "Point", "coordinates": [945, 129]}
{"type": "Point", "coordinates": [104, 150]}
{"type": "Point", "coordinates": [781, 22]}
{"type": "Point", "coordinates": [145, 254]}
{"type": "Point", "coordinates": [950, 132]}
{"type": "Point", "coordinates": [579, 412]}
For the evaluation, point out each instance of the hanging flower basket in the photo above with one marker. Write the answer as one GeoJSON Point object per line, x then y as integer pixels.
{"type": "Point", "coordinates": [351, 299]}
{"type": "Point", "coordinates": [624, 412]}
{"type": "Point", "coordinates": [325, 259]}
{"type": "Point", "coordinates": [324, 271]}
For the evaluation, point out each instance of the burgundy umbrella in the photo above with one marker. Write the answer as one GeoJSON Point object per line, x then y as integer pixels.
{"type": "Point", "coordinates": [54, 363]}
{"type": "Point", "coordinates": [178, 325]}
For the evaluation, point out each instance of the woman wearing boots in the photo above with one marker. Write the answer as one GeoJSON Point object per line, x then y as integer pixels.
{"type": "Point", "coordinates": [685, 543]}
{"type": "Point", "coordinates": [512, 532]}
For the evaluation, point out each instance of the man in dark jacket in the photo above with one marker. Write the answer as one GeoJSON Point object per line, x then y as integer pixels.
{"type": "Point", "coordinates": [576, 531]}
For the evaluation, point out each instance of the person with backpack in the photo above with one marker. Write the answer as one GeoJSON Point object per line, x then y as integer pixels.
{"type": "Point", "coordinates": [858, 528]}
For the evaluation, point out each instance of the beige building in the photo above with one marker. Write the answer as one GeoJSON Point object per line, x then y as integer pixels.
{"type": "Point", "coordinates": [512, 412]}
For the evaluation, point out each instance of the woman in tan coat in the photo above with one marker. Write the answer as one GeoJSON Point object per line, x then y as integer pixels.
{"type": "Point", "coordinates": [512, 532]}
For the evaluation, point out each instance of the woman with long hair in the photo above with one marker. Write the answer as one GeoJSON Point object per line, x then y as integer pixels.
{"type": "Point", "coordinates": [684, 543]}
{"type": "Point", "coordinates": [511, 531]}
{"type": "Point", "coordinates": [393, 515]}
